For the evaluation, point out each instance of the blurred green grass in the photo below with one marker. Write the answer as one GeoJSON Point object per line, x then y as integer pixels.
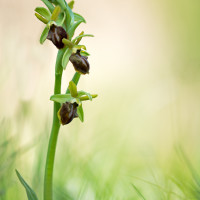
{"type": "Point", "coordinates": [141, 137]}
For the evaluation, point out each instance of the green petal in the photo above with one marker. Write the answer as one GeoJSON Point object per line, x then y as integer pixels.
{"type": "Point", "coordinates": [84, 53]}
{"type": "Point", "coordinates": [43, 12]}
{"type": "Point", "coordinates": [55, 13]}
{"type": "Point", "coordinates": [67, 42]}
{"type": "Point", "coordinates": [42, 19]}
{"type": "Point", "coordinates": [85, 98]}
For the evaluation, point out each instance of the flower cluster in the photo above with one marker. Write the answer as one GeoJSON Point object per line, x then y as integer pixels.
{"type": "Point", "coordinates": [60, 25]}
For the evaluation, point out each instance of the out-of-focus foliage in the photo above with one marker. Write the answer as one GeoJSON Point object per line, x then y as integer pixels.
{"type": "Point", "coordinates": [140, 138]}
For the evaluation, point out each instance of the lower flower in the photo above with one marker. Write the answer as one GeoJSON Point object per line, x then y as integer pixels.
{"type": "Point", "coordinates": [67, 112]}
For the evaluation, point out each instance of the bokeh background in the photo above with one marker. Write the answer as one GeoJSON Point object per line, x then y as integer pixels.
{"type": "Point", "coordinates": [140, 138]}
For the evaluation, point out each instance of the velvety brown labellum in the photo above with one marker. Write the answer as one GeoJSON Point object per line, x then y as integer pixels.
{"type": "Point", "coordinates": [56, 34]}
{"type": "Point", "coordinates": [68, 112]}
{"type": "Point", "coordinates": [80, 63]}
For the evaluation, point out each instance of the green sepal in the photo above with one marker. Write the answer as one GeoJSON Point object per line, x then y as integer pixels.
{"type": "Point", "coordinates": [30, 193]}
{"type": "Point", "coordinates": [78, 17]}
{"type": "Point", "coordinates": [82, 93]}
{"type": "Point", "coordinates": [80, 112]}
{"type": "Point", "coordinates": [62, 98]}
{"type": "Point", "coordinates": [71, 4]}
{"type": "Point", "coordinates": [73, 89]}
{"type": "Point", "coordinates": [65, 58]}
{"type": "Point", "coordinates": [81, 36]}
{"type": "Point", "coordinates": [84, 53]}
{"type": "Point", "coordinates": [73, 28]}
{"type": "Point", "coordinates": [44, 34]}
{"type": "Point", "coordinates": [48, 5]}
{"type": "Point", "coordinates": [43, 12]}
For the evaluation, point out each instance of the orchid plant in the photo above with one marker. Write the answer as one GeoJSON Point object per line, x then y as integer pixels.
{"type": "Point", "coordinates": [60, 25]}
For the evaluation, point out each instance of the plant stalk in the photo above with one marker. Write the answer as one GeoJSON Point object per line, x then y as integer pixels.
{"type": "Point", "coordinates": [48, 178]}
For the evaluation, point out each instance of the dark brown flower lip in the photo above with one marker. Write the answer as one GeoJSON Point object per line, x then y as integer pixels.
{"type": "Point", "coordinates": [80, 62]}
{"type": "Point", "coordinates": [56, 34]}
{"type": "Point", "coordinates": [68, 112]}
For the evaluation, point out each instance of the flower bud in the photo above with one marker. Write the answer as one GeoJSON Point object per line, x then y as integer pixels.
{"type": "Point", "coordinates": [56, 34]}
{"type": "Point", "coordinates": [80, 62]}
{"type": "Point", "coordinates": [67, 112]}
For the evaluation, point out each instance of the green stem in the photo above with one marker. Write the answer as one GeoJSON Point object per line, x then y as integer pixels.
{"type": "Point", "coordinates": [48, 178]}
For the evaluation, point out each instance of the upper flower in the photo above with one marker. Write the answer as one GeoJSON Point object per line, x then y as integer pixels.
{"type": "Point", "coordinates": [61, 24]}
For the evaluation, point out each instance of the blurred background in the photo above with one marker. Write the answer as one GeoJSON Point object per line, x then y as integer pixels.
{"type": "Point", "coordinates": [140, 138]}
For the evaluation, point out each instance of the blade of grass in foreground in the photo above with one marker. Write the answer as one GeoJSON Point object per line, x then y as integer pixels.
{"type": "Point", "coordinates": [138, 192]}
{"type": "Point", "coordinates": [30, 193]}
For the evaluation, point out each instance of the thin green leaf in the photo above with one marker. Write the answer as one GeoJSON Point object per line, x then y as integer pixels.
{"type": "Point", "coordinates": [78, 17]}
{"type": "Point", "coordinates": [44, 35]}
{"type": "Point", "coordinates": [30, 193]}
{"type": "Point", "coordinates": [82, 93]}
{"type": "Point", "coordinates": [73, 28]}
{"type": "Point", "coordinates": [48, 5]}
{"type": "Point", "coordinates": [80, 113]}
{"type": "Point", "coordinates": [65, 58]}
{"type": "Point", "coordinates": [81, 36]}
{"type": "Point", "coordinates": [73, 89]}
{"type": "Point", "coordinates": [62, 98]}
{"type": "Point", "coordinates": [43, 12]}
